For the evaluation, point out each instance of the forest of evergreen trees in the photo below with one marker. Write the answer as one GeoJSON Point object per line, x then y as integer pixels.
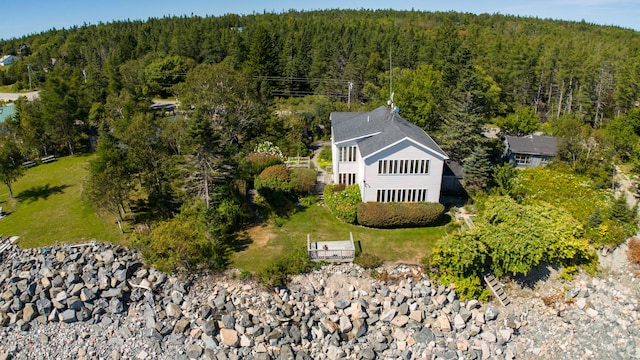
{"type": "Point", "coordinates": [452, 73]}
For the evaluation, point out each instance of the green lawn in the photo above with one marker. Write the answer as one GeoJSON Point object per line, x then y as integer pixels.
{"type": "Point", "coordinates": [48, 208]}
{"type": "Point", "coordinates": [264, 244]}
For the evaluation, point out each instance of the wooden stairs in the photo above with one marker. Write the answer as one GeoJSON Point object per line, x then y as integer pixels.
{"type": "Point", "coordinates": [496, 289]}
{"type": "Point", "coordinates": [7, 243]}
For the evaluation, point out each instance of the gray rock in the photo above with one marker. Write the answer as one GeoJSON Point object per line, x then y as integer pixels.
{"type": "Point", "coordinates": [68, 316]}
{"type": "Point", "coordinates": [296, 334]}
{"type": "Point", "coordinates": [173, 310]}
{"type": "Point", "coordinates": [228, 321]}
{"type": "Point", "coordinates": [286, 353]}
{"type": "Point", "coordinates": [403, 309]}
{"type": "Point", "coordinates": [465, 314]}
{"type": "Point", "coordinates": [152, 333]}
{"type": "Point", "coordinates": [107, 256]}
{"type": "Point", "coordinates": [368, 354]}
{"type": "Point", "coordinates": [120, 275]}
{"type": "Point", "coordinates": [571, 293]}
{"type": "Point", "coordinates": [194, 351]}
{"type": "Point", "coordinates": [209, 327]}
{"type": "Point", "coordinates": [115, 306]}
{"type": "Point", "coordinates": [388, 315]}
{"type": "Point", "coordinates": [220, 301]}
{"type": "Point", "coordinates": [342, 304]}
{"type": "Point", "coordinates": [111, 293]}
{"type": "Point", "coordinates": [458, 322]}
{"type": "Point", "coordinates": [489, 337]}
{"type": "Point", "coordinates": [16, 304]}
{"type": "Point", "coordinates": [491, 313]}
{"type": "Point", "coordinates": [209, 342]}
{"type": "Point", "coordinates": [74, 303]}
{"type": "Point", "coordinates": [424, 336]}
{"type": "Point", "coordinates": [345, 324]}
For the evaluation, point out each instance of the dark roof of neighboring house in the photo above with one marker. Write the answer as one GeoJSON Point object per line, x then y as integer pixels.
{"type": "Point", "coordinates": [378, 129]}
{"type": "Point", "coordinates": [532, 145]}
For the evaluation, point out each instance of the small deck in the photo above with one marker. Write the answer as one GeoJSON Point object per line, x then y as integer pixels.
{"type": "Point", "coordinates": [332, 251]}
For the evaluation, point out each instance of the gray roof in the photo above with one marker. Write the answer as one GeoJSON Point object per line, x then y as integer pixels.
{"type": "Point", "coordinates": [532, 145]}
{"type": "Point", "coordinates": [378, 129]}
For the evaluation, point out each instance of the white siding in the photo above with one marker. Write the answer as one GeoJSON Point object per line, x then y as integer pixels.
{"type": "Point", "coordinates": [345, 167]}
{"type": "Point", "coordinates": [371, 181]}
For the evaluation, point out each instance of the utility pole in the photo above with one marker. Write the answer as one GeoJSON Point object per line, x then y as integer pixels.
{"type": "Point", "coordinates": [29, 72]}
{"type": "Point", "coordinates": [390, 76]}
{"type": "Point", "coordinates": [349, 97]}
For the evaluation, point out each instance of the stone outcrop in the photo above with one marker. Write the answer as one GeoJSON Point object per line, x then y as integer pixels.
{"type": "Point", "coordinates": [100, 301]}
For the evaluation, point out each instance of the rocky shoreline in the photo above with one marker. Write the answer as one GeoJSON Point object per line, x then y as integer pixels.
{"type": "Point", "coordinates": [98, 301]}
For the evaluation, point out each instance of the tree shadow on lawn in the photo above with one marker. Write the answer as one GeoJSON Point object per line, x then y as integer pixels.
{"type": "Point", "coordinates": [40, 192]}
{"type": "Point", "coordinates": [242, 243]}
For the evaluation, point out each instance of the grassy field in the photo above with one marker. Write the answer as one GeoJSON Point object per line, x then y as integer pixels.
{"type": "Point", "coordinates": [48, 208]}
{"type": "Point", "coordinates": [265, 243]}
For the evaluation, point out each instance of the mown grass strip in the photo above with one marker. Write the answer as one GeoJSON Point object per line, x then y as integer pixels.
{"type": "Point", "coordinates": [49, 209]}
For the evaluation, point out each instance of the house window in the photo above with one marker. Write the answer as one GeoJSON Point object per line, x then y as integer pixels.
{"type": "Point", "coordinates": [347, 178]}
{"type": "Point", "coordinates": [523, 159]}
{"type": "Point", "coordinates": [544, 160]}
{"type": "Point", "coordinates": [348, 154]}
{"type": "Point", "coordinates": [401, 195]}
{"type": "Point", "coordinates": [403, 167]}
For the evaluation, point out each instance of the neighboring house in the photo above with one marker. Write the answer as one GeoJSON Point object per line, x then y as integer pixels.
{"type": "Point", "coordinates": [389, 158]}
{"type": "Point", "coordinates": [530, 151]}
{"type": "Point", "coordinates": [7, 60]}
{"type": "Point", "coordinates": [7, 112]}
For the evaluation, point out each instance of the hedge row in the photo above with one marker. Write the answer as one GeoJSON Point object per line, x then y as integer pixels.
{"type": "Point", "coordinates": [397, 215]}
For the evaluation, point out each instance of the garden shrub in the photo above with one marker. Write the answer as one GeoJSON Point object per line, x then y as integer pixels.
{"type": "Point", "coordinates": [343, 203]}
{"type": "Point", "coordinates": [182, 243]}
{"type": "Point", "coordinates": [277, 274]}
{"type": "Point", "coordinates": [512, 238]}
{"type": "Point", "coordinates": [274, 178]}
{"type": "Point", "coordinates": [367, 261]}
{"type": "Point", "coordinates": [467, 288]}
{"type": "Point", "coordinates": [273, 184]}
{"type": "Point", "coordinates": [303, 181]}
{"type": "Point", "coordinates": [254, 163]}
{"type": "Point", "coordinates": [309, 200]}
{"type": "Point", "coordinates": [397, 215]}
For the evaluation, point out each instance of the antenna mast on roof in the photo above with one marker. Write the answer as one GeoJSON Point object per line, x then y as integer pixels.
{"type": "Point", "coordinates": [392, 106]}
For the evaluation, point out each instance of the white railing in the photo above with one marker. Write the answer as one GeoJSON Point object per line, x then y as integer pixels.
{"type": "Point", "coordinates": [328, 254]}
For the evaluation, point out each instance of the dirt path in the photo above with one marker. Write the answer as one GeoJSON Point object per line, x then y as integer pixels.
{"type": "Point", "coordinates": [14, 96]}
{"type": "Point", "coordinates": [260, 234]}
{"type": "Point", "coordinates": [323, 177]}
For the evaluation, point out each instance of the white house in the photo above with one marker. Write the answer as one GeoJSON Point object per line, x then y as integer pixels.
{"type": "Point", "coordinates": [7, 60]}
{"type": "Point", "coordinates": [391, 159]}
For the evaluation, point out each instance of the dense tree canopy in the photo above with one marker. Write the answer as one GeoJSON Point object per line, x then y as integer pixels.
{"type": "Point", "coordinates": [243, 80]}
